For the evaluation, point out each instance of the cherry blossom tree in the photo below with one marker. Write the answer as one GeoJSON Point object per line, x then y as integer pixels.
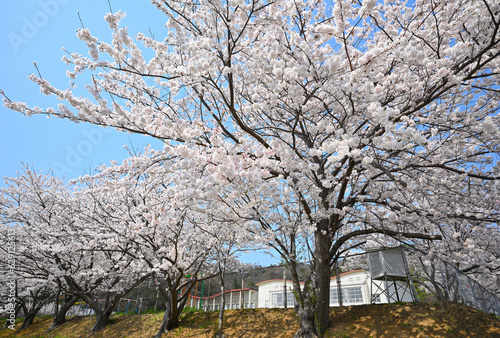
{"type": "Point", "coordinates": [30, 208]}
{"type": "Point", "coordinates": [55, 246]}
{"type": "Point", "coordinates": [373, 114]}
{"type": "Point", "coordinates": [148, 208]}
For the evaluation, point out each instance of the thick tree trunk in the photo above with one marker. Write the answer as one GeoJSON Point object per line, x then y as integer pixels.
{"type": "Point", "coordinates": [171, 316]}
{"type": "Point", "coordinates": [59, 316]}
{"type": "Point", "coordinates": [29, 315]}
{"type": "Point", "coordinates": [322, 277]}
{"type": "Point", "coordinates": [102, 319]}
{"type": "Point", "coordinates": [164, 323]}
{"type": "Point", "coordinates": [28, 320]}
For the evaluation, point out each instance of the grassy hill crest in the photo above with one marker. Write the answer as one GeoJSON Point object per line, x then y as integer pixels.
{"type": "Point", "coordinates": [384, 320]}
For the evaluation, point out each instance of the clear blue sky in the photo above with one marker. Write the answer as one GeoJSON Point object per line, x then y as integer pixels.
{"type": "Point", "coordinates": [36, 30]}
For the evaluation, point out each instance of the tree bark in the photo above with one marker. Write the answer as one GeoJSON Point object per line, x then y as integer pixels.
{"type": "Point", "coordinates": [305, 311]}
{"type": "Point", "coordinates": [220, 325]}
{"type": "Point", "coordinates": [321, 282]}
{"type": "Point", "coordinates": [171, 316]}
{"type": "Point", "coordinates": [304, 306]}
{"type": "Point", "coordinates": [29, 315]}
{"type": "Point", "coordinates": [102, 319]}
{"type": "Point", "coordinates": [28, 320]}
{"type": "Point", "coordinates": [307, 328]}
{"type": "Point", "coordinates": [59, 316]}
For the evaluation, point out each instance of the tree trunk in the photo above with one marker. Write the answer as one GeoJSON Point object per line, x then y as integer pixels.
{"type": "Point", "coordinates": [170, 319]}
{"type": "Point", "coordinates": [29, 315]}
{"type": "Point", "coordinates": [59, 316]}
{"type": "Point", "coordinates": [164, 323]}
{"type": "Point", "coordinates": [220, 325]}
{"type": "Point", "coordinates": [28, 320]}
{"type": "Point", "coordinates": [321, 282]}
{"type": "Point", "coordinates": [306, 316]}
{"type": "Point", "coordinates": [102, 318]}
{"type": "Point", "coordinates": [304, 306]}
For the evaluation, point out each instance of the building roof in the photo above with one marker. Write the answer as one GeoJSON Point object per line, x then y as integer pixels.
{"type": "Point", "coordinates": [276, 280]}
{"type": "Point", "coordinates": [348, 273]}
{"type": "Point", "coordinates": [291, 282]}
{"type": "Point", "coordinates": [226, 291]}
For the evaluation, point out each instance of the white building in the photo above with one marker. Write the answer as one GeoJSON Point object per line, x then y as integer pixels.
{"type": "Point", "coordinates": [356, 287]}
{"type": "Point", "coordinates": [232, 297]}
{"type": "Point", "coordinates": [271, 293]}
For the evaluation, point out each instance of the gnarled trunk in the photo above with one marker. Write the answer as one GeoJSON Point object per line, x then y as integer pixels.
{"type": "Point", "coordinates": [59, 316]}
{"type": "Point", "coordinates": [305, 311]}
{"type": "Point", "coordinates": [307, 328]}
{"type": "Point", "coordinates": [102, 319]}
{"type": "Point", "coordinates": [170, 319]}
{"type": "Point", "coordinates": [28, 320]}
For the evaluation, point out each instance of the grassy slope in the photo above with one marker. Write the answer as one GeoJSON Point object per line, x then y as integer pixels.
{"type": "Point", "coordinates": [388, 320]}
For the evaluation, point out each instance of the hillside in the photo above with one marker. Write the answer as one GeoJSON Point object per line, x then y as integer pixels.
{"type": "Point", "coordinates": [385, 320]}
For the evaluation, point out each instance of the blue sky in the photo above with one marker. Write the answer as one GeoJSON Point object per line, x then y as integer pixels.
{"type": "Point", "coordinates": [36, 30]}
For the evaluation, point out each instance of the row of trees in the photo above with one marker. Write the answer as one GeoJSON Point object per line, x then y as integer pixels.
{"type": "Point", "coordinates": [102, 236]}
{"type": "Point", "coordinates": [302, 126]}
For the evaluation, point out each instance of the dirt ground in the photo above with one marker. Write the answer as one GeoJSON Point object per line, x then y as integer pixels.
{"type": "Point", "coordinates": [385, 320]}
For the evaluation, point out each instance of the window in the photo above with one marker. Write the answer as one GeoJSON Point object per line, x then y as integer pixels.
{"type": "Point", "coordinates": [350, 295]}
{"type": "Point", "coordinates": [334, 297]}
{"type": "Point", "coordinates": [277, 299]}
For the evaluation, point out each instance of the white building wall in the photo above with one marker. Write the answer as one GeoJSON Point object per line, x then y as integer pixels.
{"type": "Point", "coordinates": [355, 286]}
{"type": "Point", "coordinates": [233, 300]}
{"type": "Point", "coordinates": [271, 294]}
{"type": "Point", "coordinates": [358, 289]}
